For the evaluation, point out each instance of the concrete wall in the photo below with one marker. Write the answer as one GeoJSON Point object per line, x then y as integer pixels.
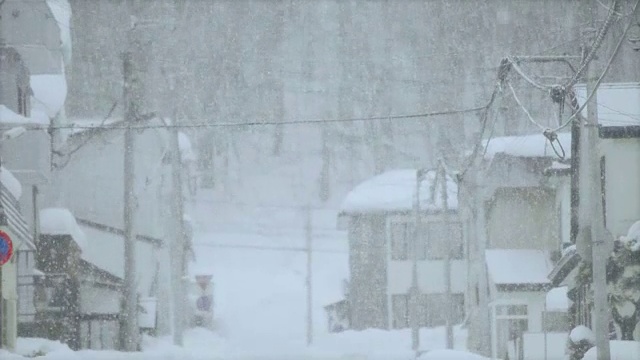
{"type": "Point", "coordinates": [29, 26]}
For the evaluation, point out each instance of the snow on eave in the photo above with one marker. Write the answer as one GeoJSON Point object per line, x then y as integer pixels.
{"type": "Point", "coordinates": [557, 299]}
{"type": "Point", "coordinates": [527, 146]}
{"type": "Point", "coordinates": [518, 267]}
{"type": "Point", "coordinates": [60, 221]}
{"type": "Point", "coordinates": [618, 104]}
{"type": "Point", "coordinates": [61, 11]}
{"type": "Point", "coordinates": [394, 191]}
{"type": "Point", "coordinates": [11, 183]}
{"type": "Point", "coordinates": [186, 150]}
{"type": "Point", "coordinates": [7, 116]}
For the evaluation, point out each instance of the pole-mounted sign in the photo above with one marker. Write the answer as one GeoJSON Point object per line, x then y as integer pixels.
{"type": "Point", "coordinates": [6, 248]}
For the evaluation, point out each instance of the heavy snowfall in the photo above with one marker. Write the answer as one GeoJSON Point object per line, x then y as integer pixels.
{"type": "Point", "coordinates": [320, 179]}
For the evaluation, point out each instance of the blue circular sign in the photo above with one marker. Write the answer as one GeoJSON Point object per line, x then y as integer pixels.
{"type": "Point", "coordinates": [6, 248]}
{"type": "Point", "coordinates": [204, 303]}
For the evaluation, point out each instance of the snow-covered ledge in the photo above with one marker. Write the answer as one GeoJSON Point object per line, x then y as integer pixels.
{"type": "Point", "coordinates": [60, 221]}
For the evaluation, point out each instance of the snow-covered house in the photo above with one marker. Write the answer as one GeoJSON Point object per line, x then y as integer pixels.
{"type": "Point", "coordinates": [518, 199]}
{"type": "Point", "coordinates": [90, 184]}
{"type": "Point", "coordinates": [89, 287]}
{"type": "Point", "coordinates": [13, 223]}
{"type": "Point", "coordinates": [379, 215]}
{"type": "Point", "coordinates": [619, 118]}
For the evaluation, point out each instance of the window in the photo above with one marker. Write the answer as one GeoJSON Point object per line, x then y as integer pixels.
{"type": "Point", "coordinates": [511, 322]}
{"type": "Point", "coordinates": [400, 308]}
{"type": "Point", "coordinates": [440, 236]}
{"type": "Point", "coordinates": [432, 310]}
{"type": "Point", "coordinates": [22, 102]}
{"type": "Point", "coordinates": [401, 240]}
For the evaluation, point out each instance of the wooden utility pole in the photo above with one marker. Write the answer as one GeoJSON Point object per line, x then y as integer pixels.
{"type": "Point", "coordinates": [179, 239]}
{"type": "Point", "coordinates": [595, 225]}
{"type": "Point", "coordinates": [414, 290]}
{"type": "Point", "coordinates": [592, 232]}
{"type": "Point", "coordinates": [447, 258]}
{"type": "Point", "coordinates": [309, 248]}
{"type": "Point", "coordinates": [129, 323]}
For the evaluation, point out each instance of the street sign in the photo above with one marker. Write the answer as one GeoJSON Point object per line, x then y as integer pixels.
{"type": "Point", "coordinates": [6, 248]}
{"type": "Point", "coordinates": [204, 303]}
{"type": "Point", "coordinates": [203, 280]}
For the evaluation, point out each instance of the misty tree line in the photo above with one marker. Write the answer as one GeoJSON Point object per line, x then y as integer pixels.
{"type": "Point", "coordinates": [252, 61]}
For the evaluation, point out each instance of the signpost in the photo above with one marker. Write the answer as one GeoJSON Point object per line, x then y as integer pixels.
{"type": "Point", "coordinates": [6, 248]}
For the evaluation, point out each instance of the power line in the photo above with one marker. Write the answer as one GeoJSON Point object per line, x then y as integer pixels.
{"type": "Point", "coordinates": [121, 126]}
{"type": "Point", "coordinates": [604, 72]}
{"type": "Point", "coordinates": [269, 248]}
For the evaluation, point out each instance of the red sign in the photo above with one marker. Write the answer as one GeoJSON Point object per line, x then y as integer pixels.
{"type": "Point", "coordinates": [6, 248]}
{"type": "Point", "coordinates": [203, 280]}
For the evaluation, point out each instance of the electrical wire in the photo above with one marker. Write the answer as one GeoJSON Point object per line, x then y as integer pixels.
{"type": "Point", "coordinates": [604, 72]}
{"type": "Point", "coordinates": [531, 119]}
{"type": "Point", "coordinates": [595, 46]}
{"type": "Point", "coordinates": [122, 126]}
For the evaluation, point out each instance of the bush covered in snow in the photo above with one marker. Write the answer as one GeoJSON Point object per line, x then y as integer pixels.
{"type": "Point", "coordinates": [623, 277]}
{"type": "Point", "coordinates": [580, 340]}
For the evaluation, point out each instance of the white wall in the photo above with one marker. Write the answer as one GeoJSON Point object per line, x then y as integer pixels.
{"type": "Point", "coordinates": [623, 183]}
{"type": "Point", "coordinates": [533, 300]}
{"type": "Point", "coordinates": [431, 279]}
{"type": "Point", "coordinates": [98, 300]}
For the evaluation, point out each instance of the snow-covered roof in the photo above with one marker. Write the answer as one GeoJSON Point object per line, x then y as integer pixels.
{"type": "Point", "coordinates": [104, 250]}
{"type": "Point", "coordinates": [557, 299]}
{"type": "Point", "coordinates": [394, 191]}
{"type": "Point", "coordinates": [531, 146]}
{"type": "Point", "coordinates": [618, 103]}
{"type": "Point", "coordinates": [49, 93]}
{"type": "Point", "coordinates": [61, 10]}
{"type": "Point", "coordinates": [518, 267]}
{"type": "Point", "coordinates": [7, 116]}
{"type": "Point", "coordinates": [10, 183]}
{"type": "Point", "coordinates": [60, 221]}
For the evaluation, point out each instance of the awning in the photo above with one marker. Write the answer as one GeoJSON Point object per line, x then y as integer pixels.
{"type": "Point", "coordinates": [16, 221]}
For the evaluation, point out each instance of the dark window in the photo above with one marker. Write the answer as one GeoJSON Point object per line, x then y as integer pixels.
{"type": "Point", "coordinates": [432, 310]}
{"type": "Point", "coordinates": [441, 236]}
{"type": "Point", "coordinates": [401, 239]}
{"type": "Point", "coordinates": [22, 102]}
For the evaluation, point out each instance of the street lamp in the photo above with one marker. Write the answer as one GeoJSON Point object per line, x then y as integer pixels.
{"type": "Point", "coordinates": [414, 291]}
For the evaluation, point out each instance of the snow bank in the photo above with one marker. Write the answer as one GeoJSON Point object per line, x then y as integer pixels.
{"type": "Point", "coordinates": [61, 11]}
{"type": "Point", "coordinates": [7, 116]}
{"type": "Point", "coordinates": [620, 350]}
{"type": "Point", "coordinates": [59, 221]}
{"type": "Point", "coordinates": [451, 355]}
{"type": "Point", "coordinates": [49, 93]}
{"type": "Point", "coordinates": [511, 266]}
{"type": "Point", "coordinates": [10, 183]}
{"type": "Point", "coordinates": [30, 347]}
{"type": "Point", "coordinates": [557, 299]}
{"type": "Point", "coordinates": [395, 191]}
{"type": "Point", "coordinates": [534, 146]}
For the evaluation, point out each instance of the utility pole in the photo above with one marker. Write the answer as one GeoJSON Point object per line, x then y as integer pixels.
{"type": "Point", "coordinates": [178, 244]}
{"type": "Point", "coordinates": [599, 249]}
{"type": "Point", "coordinates": [592, 227]}
{"type": "Point", "coordinates": [309, 248]}
{"type": "Point", "coordinates": [414, 291]}
{"type": "Point", "coordinates": [129, 323]}
{"type": "Point", "coordinates": [447, 258]}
